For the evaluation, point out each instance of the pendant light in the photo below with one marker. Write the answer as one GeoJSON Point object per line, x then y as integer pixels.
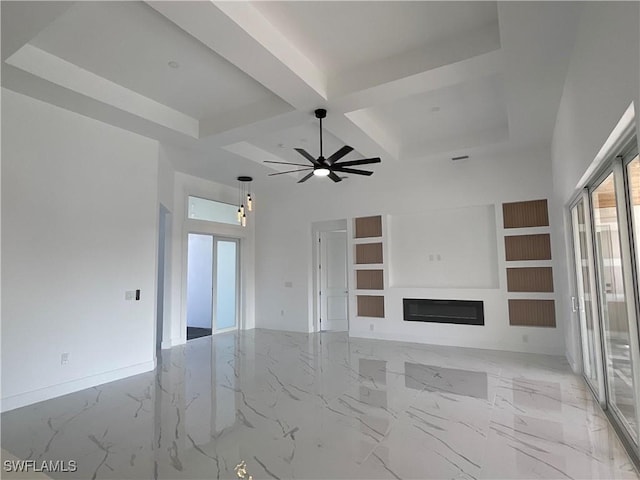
{"type": "Point", "coordinates": [244, 190]}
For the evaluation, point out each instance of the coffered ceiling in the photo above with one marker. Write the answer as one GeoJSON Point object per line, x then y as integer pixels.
{"type": "Point", "coordinates": [237, 82]}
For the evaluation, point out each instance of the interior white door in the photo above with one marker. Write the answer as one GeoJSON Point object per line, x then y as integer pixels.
{"type": "Point", "coordinates": [333, 281]}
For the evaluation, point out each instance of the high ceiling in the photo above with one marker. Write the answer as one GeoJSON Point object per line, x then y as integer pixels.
{"type": "Point", "coordinates": [231, 84]}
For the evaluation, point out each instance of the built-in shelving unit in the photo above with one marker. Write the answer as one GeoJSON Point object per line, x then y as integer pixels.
{"type": "Point", "coordinates": [529, 270]}
{"type": "Point", "coordinates": [368, 263]}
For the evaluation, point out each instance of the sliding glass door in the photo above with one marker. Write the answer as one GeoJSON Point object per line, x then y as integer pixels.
{"type": "Point", "coordinates": [614, 299]}
{"type": "Point", "coordinates": [584, 303]}
{"type": "Point", "coordinates": [606, 239]}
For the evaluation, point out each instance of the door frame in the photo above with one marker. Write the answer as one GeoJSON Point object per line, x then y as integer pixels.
{"type": "Point", "coordinates": [316, 229]}
{"type": "Point", "coordinates": [185, 273]}
{"type": "Point", "coordinates": [163, 292]}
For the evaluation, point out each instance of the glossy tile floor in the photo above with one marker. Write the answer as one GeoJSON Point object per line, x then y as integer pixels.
{"type": "Point", "coordinates": [327, 406]}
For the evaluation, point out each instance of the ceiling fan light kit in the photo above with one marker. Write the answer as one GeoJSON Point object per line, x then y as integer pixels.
{"type": "Point", "coordinates": [326, 167]}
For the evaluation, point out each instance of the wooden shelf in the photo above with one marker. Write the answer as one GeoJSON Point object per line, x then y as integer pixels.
{"type": "Point", "coordinates": [357, 241]}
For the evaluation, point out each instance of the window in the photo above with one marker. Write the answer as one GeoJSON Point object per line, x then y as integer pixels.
{"type": "Point", "coordinates": [212, 211]}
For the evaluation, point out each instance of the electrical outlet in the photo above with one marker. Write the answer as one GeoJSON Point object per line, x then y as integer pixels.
{"type": "Point", "coordinates": [438, 257]}
{"type": "Point", "coordinates": [288, 284]}
{"type": "Point", "coordinates": [64, 358]}
{"type": "Point", "coordinates": [129, 295]}
{"type": "Point", "coordinates": [431, 257]}
{"type": "Point", "coordinates": [371, 327]}
{"type": "Point", "coordinates": [525, 338]}
{"type": "Point", "coordinates": [282, 313]}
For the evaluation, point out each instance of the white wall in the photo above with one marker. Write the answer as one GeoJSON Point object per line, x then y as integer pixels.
{"type": "Point", "coordinates": [183, 186]}
{"type": "Point", "coordinates": [284, 246]}
{"type": "Point", "coordinates": [444, 248]}
{"type": "Point", "coordinates": [166, 175]}
{"type": "Point", "coordinates": [79, 213]}
{"type": "Point", "coordinates": [602, 80]}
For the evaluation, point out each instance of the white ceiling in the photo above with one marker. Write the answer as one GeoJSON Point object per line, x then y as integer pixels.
{"type": "Point", "coordinates": [304, 136]}
{"type": "Point", "coordinates": [406, 81]}
{"type": "Point", "coordinates": [433, 120]}
{"type": "Point", "coordinates": [338, 36]}
{"type": "Point", "coordinates": [131, 44]}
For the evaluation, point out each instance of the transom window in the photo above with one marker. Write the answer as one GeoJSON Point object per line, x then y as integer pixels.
{"type": "Point", "coordinates": [212, 211]}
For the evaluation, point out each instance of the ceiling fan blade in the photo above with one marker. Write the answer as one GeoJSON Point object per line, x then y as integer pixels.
{"type": "Point", "coordinates": [352, 170]}
{"type": "Point", "coordinates": [306, 155]}
{"type": "Point", "coordinates": [286, 163]}
{"type": "Point", "coordinates": [334, 177]}
{"type": "Point", "coordinates": [290, 171]}
{"type": "Point", "coordinates": [306, 177]}
{"type": "Point", "coordinates": [339, 154]}
{"type": "Point", "coordinates": [364, 161]}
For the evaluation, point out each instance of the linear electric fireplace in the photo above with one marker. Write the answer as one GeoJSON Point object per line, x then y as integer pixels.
{"type": "Point", "coordinates": [464, 312]}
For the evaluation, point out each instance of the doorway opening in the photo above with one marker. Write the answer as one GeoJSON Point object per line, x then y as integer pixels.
{"type": "Point", "coordinates": [212, 284]}
{"type": "Point", "coordinates": [331, 277]}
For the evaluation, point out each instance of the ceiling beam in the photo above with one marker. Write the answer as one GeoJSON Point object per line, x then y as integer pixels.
{"type": "Point", "coordinates": [239, 33]}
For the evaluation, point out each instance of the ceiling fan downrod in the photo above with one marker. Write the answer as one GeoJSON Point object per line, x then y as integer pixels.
{"type": "Point", "coordinates": [320, 114]}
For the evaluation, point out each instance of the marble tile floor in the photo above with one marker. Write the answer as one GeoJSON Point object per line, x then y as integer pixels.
{"type": "Point", "coordinates": [327, 406]}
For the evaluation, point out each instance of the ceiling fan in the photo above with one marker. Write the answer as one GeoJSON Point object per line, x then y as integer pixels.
{"type": "Point", "coordinates": [330, 166]}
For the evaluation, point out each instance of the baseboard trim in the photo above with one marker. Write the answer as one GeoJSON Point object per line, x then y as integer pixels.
{"type": "Point", "coordinates": [403, 337]}
{"type": "Point", "coordinates": [28, 398]}
{"type": "Point", "coordinates": [575, 366]}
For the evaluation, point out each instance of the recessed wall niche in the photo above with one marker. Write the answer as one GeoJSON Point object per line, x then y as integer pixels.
{"type": "Point", "coordinates": [530, 279]}
{"type": "Point", "coordinates": [368, 265]}
{"type": "Point", "coordinates": [366, 227]}
{"type": "Point", "coordinates": [444, 248]}
{"type": "Point", "coordinates": [367, 253]}
{"type": "Point", "coordinates": [527, 247]}
{"type": "Point", "coordinates": [532, 213]}
{"type": "Point", "coordinates": [530, 245]}
{"type": "Point", "coordinates": [532, 313]}
{"type": "Point", "coordinates": [371, 306]}
{"type": "Point", "coordinates": [370, 279]}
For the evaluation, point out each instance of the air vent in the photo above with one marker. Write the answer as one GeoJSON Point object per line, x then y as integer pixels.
{"type": "Point", "coordinates": [464, 157]}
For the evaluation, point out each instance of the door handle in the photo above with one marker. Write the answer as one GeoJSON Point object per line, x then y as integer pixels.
{"type": "Point", "coordinates": [574, 306]}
